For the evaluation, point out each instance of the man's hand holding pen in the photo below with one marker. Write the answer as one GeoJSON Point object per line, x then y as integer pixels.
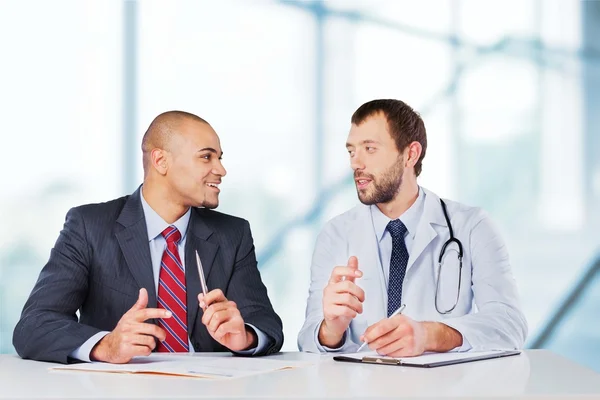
{"type": "Point", "coordinates": [222, 317]}
{"type": "Point", "coordinates": [225, 323]}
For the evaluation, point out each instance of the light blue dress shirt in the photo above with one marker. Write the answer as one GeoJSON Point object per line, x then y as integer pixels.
{"type": "Point", "coordinates": [410, 218]}
{"type": "Point", "coordinates": [155, 225]}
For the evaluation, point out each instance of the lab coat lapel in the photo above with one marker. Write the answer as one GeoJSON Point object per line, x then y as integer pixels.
{"type": "Point", "coordinates": [425, 234]}
{"type": "Point", "coordinates": [363, 244]}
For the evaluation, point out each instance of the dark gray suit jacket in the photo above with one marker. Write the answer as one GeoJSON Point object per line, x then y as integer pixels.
{"type": "Point", "coordinates": [102, 258]}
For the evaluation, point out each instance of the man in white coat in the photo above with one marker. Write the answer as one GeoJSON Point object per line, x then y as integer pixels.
{"type": "Point", "coordinates": [384, 256]}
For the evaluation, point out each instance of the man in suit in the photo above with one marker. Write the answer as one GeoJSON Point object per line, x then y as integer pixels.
{"type": "Point", "coordinates": [129, 266]}
{"type": "Point", "coordinates": [441, 262]}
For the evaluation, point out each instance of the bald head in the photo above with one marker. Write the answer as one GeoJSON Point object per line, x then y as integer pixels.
{"type": "Point", "coordinates": [162, 130]}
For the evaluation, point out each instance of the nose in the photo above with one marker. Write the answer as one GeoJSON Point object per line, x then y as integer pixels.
{"type": "Point", "coordinates": [356, 162]}
{"type": "Point", "coordinates": [219, 169]}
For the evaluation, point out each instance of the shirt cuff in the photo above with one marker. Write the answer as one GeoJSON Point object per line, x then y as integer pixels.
{"type": "Point", "coordinates": [263, 340]}
{"type": "Point", "coordinates": [325, 349]}
{"type": "Point", "coordinates": [83, 352]}
{"type": "Point", "coordinates": [466, 346]}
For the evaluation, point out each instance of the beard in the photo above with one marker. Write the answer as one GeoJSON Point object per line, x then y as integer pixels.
{"type": "Point", "coordinates": [209, 201]}
{"type": "Point", "coordinates": [210, 204]}
{"type": "Point", "coordinates": [383, 189]}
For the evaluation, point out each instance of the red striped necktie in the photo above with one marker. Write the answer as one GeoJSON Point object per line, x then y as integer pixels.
{"type": "Point", "coordinates": [172, 295]}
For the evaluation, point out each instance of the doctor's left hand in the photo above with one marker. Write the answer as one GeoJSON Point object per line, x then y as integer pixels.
{"type": "Point", "coordinates": [398, 336]}
{"type": "Point", "coordinates": [225, 323]}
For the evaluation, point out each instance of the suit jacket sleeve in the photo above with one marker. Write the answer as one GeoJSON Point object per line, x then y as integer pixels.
{"type": "Point", "coordinates": [48, 329]}
{"type": "Point", "coordinates": [247, 290]}
{"type": "Point", "coordinates": [499, 322]}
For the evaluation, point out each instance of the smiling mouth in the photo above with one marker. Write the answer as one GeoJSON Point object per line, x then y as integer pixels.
{"type": "Point", "coordinates": [214, 186]}
{"type": "Point", "coordinates": [362, 183]}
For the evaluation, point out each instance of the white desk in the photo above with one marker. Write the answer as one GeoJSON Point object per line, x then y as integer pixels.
{"type": "Point", "coordinates": [536, 373]}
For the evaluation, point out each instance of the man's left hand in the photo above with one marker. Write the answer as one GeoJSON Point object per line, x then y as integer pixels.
{"type": "Point", "coordinates": [225, 323]}
{"type": "Point", "coordinates": [398, 336]}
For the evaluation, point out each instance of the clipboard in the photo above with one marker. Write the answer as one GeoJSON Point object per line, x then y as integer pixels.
{"type": "Point", "coordinates": [428, 360]}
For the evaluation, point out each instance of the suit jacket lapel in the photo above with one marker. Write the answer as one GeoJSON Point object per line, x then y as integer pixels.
{"type": "Point", "coordinates": [425, 234]}
{"type": "Point", "coordinates": [197, 237]}
{"type": "Point", "coordinates": [133, 240]}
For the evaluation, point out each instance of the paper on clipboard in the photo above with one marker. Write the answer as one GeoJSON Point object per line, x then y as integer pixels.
{"type": "Point", "coordinates": [427, 359]}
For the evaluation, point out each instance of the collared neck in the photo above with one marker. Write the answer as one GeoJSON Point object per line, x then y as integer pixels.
{"type": "Point", "coordinates": [155, 224]}
{"type": "Point", "coordinates": [410, 218]}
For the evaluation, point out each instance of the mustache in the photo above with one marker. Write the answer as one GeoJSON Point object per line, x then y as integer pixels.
{"type": "Point", "coordinates": [363, 175]}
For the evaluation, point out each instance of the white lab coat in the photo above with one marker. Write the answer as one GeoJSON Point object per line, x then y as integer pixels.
{"type": "Point", "coordinates": [488, 313]}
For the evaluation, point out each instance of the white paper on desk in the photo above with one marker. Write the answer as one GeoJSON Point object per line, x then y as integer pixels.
{"type": "Point", "coordinates": [428, 358]}
{"type": "Point", "coordinates": [199, 367]}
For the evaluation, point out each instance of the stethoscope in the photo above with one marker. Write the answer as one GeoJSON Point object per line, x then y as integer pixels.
{"type": "Point", "coordinates": [442, 252]}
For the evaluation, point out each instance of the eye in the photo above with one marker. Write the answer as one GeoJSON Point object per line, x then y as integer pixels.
{"type": "Point", "coordinates": [206, 156]}
{"type": "Point", "coordinates": [370, 149]}
{"type": "Point", "coordinates": [351, 152]}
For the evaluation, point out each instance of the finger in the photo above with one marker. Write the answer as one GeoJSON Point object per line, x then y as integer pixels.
{"type": "Point", "coordinates": [142, 301]}
{"type": "Point", "coordinates": [350, 287]}
{"type": "Point", "coordinates": [201, 301]}
{"type": "Point", "coordinates": [335, 311]}
{"type": "Point", "coordinates": [379, 329]}
{"type": "Point", "coordinates": [340, 273]}
{"type": "Point", "coordinates": [234, 326]}
{"type": "Point", "coordinates": [353, 262]}
{"type": "Point", "coordinates": [218, 318]}
{"type": "Point", "coordinates": [386, 340]}
{"type": "Point", "coordinates": [346, 299]}
{"type": "Point", "coordinates": [214, 308]}
{"type": "Point", "coordinates": [131, 339]}
{"type": "Point", "coordinates": [150, 313]}
{"type": "Point", "coordinates": [396, 348]}
{"type": "Point", "coordinates": [139, 350]}
{"type": "Point", "coordinates": [150, 329]}
{"type": "Point", "coordinates": [214, 296]}
{"type": "Point", "coordinates": [144, 340]}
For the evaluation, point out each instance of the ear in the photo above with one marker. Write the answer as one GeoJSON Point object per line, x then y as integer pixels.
{"type": "Point", "coordinates": [159, 161]}
{"type": "Point", "coordinates": [412, 154]}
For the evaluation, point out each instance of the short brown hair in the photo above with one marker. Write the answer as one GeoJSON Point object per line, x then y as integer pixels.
{"type": "Point", "coordinates": [404, 123]}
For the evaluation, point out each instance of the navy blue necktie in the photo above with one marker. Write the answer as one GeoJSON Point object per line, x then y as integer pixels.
{"type": "Point", "coordinates": [398, 263]}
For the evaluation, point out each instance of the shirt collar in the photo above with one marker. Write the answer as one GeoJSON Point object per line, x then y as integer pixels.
{"type": "Point", "coordinates": [410, 218]}
{"type": "Point", "coordinates": [155, 224]}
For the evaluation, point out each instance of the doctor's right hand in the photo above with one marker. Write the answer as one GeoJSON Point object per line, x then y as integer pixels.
{"type": "Point", "coordinates": [342, 301]}
{"type": "Point", "coordinates": [132, 336]}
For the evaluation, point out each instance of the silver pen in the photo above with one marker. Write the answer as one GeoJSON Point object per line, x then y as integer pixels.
{"type": "Point", "coordinates": [201, 273]}
{"type": "Point", "coordinates": [398, 311]}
